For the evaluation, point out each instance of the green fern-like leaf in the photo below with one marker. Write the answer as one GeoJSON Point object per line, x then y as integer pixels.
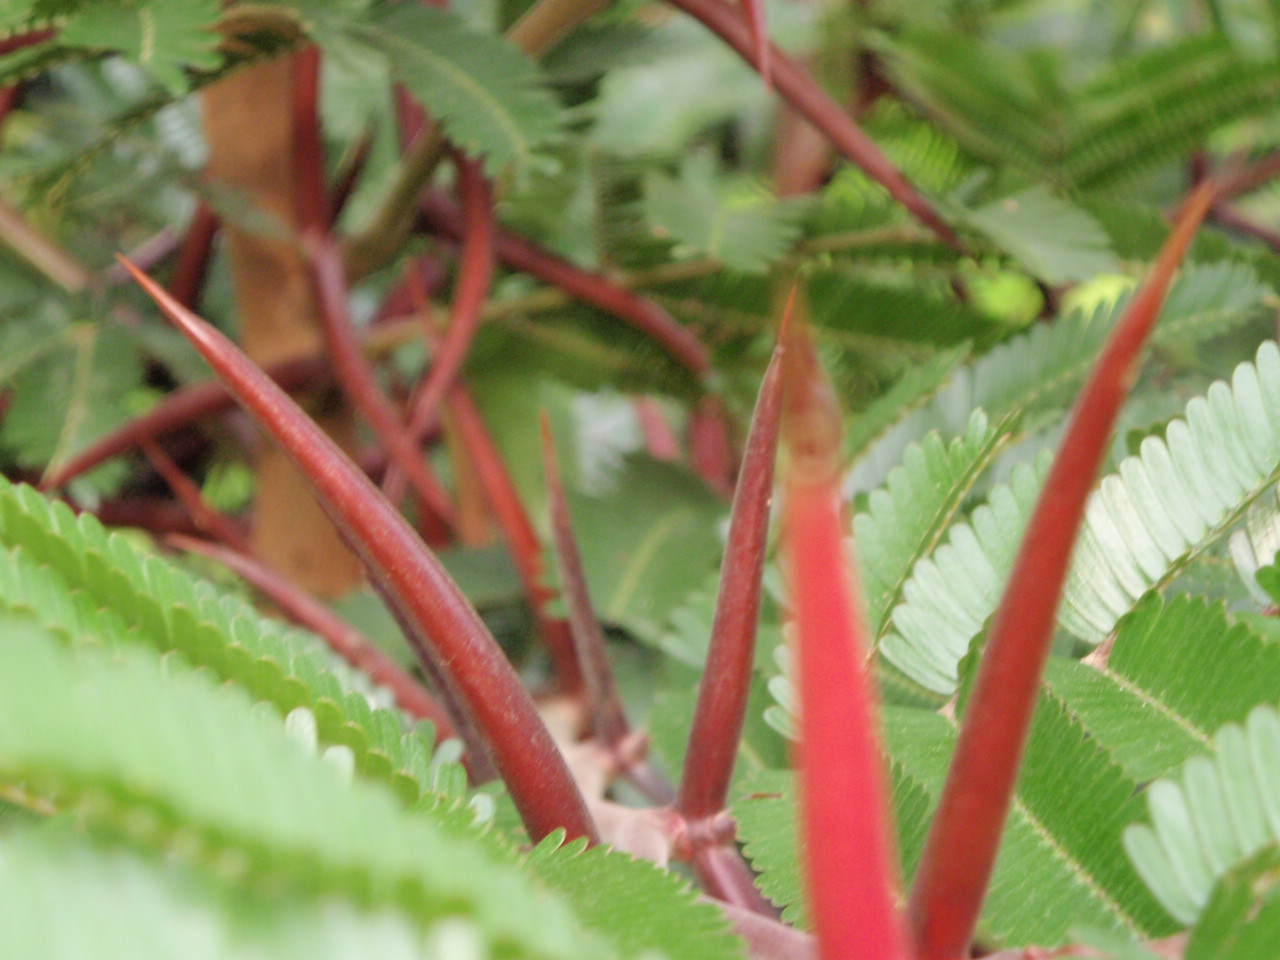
{"type": "Point", "coordinates": [1160, 694]}
{"type": "Point", "coordinates": [70, 385]}
{"type": "Point", "coordinates": [485, 94]}
{"type": "Point", "coordinates": [1036, 375]}
{"type": "Point", "coordinates": [1054, 240]}
{"type": "Point", "coordinates": [65, 901]}
{"type": "Point", "coordinates": [1142, 525]}
{"type": "Point", "coordinates": [163, 758]}
{"type": "Point", "coordinates": [1060, 863]}
{"type": "Point", "coordinates": [84, 583]}
{"type": "Point", "coordinates": [690, 210]}
{"type": "Point", "coordinates": [905, 518]}
{"type": "Point", "coordinates": [645, 910]}
{"type": "Point", "coordinates": [165, 37]}
{"type": "Point", "coordinates": [1218, 812]}
{"type": "Point", "coordinates": [1242, 918]}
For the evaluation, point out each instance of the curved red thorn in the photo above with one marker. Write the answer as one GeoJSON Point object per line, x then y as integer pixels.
{"type": "Point", "coordinates": [474, 276]}
{"type": "Point", "coordinates": [722, 696]}
{"type": "Point", "coordinates": [345, 640]}
{"type": "Point", "coordinates": [522, 254]}
{"type": "Point", "coordinates": [845, 816]}
{"type": "Point", "coordinates": [803, 93]}
{"type": "Point", "coordinates": [443, 627]}
{"type": "Point", "coordinates": [960, 852]}
{"type": "Point", "coordinates": [608, 719]}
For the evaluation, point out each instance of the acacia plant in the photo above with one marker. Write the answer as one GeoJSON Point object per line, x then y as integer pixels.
{"type": "Point", "coordinates": [437, 360]}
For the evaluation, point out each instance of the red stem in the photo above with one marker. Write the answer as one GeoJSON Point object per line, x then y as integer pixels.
{"type": "Point", "coordinates": [193, 259]}
{"type": "Point", "coordinates": [960, 852]}
{"type": "Point", "coordinates": [443, 627]}
{"type": "Point", "coordinates": [608, 719]}
{"type": "Point", "coordinates": [23, 40]}
{"type": "Point", "coordinates": [474, 277]}
{"type": "Point", "coordinates": [722, 696]}
{"type": "Point", "coordinates": [803, 93]}
{"type": "Point", "coordinates": [205, 517]}
{"type": "Point", "coordinates": [760, 46]}
{"type": "Point", "coordinates": [846, 821]}
{"type": "Point", "coordinates": [522, 540]}
{"type": "Point", "coordinates": [442, 216]}
{"type": "Point", "coordinates": [311, 202]}
{"type": "Point", "coordinates": [358, 382]}
{"type": "Point", "coordinates": [710, 450]}
{"type": "Point", "coordinates": [346, 641]}
{"type": "Point", "coordinates": [180, 409]}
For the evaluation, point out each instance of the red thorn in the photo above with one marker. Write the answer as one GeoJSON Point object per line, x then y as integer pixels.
{"type": "Point", "coordinates": [960, 853]}
{"type": "Point", "coordinates": [449, 636]}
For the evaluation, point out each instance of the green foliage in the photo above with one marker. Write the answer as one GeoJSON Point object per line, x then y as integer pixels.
{"type": "Point", "coordinates": [1145, 522]}
{"type": "Point", "coordinates": [1218, 813]}
{"type": "Point", "coordinates": [72, 383]}
{"type": "Point", "coordinates": [1241, 919]}
{"type": "Point", "coordinates": [1055, 241]}
{"type": "Point", "coordinates": [223, 786]}
{"type": "Point", "coordinates": [81, 582]}
{"type": "Point", "coordinates": [485, 93]}
{"type": "Point", "coordinates": [96, 736]}
{"type": "Point", "coordinates": [644, 909]}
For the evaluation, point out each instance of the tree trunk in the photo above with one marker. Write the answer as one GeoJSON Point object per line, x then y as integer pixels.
{"type": "Point", "coordinates": [249, 126]}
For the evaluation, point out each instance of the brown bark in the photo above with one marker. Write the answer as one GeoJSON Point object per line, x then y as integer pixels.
{"type": "Point", "coordinates": [250, 128]}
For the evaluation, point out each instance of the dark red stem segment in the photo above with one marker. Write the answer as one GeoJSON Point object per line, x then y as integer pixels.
{"type": "Point", "coordinates": [522, 540]}
{"type": "Point", "coordinates": [310, 193]}
{"type": "Point", "coordinates": [180, 409]}
{"type": "Point", "coordinates": [345, 640]}
{"type": "Point", "coordinates": [760, 46]}
{"type": "Point", "coordinates": [961, 849]}
{"type": "Point", "coordinates": [442, 626]}
{"type": "Point", "coordinates": [474, 277]}
{"type": "Point", "coordinates": [205, 517]}
{"type": "Point", "coordinates": [193, 257]}
{"type": "Point", "coordinates": [799, 89]}
{"type": "Point", "coordinates": [356, 376]}
{"type": "Point", "coordinates": [850, 864]}
{"type": "Point", "coordinates": [521, 254]}
{"type": "Point", "coordinates": [608, 720]}
{"type": "Point", "coordinates": [722, 697]}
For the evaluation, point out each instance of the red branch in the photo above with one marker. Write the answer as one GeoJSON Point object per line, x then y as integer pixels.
{"type": "Point", "coordinates": [519, 253]}
{"type": "Point", "coordinates": [180, 409]}
{"type": "Point", "coordinates": [722, 696]}
{"type": "Point", "coordinates": [445, 630]}
{"type": "Point", "coordinates": [205, 517]}
{"type": "Point", "coordinates": [474, 277]}
{"type": "Point", "coordinates": [522, 540]}
{"type": "Point", "coordinates": [608, 719]}
{"type": "Point", "coordinates": [358, 382]}
{"type": "Point", "coordinates": [845, 816]}
{"type": "Point", "coordinates": [800, 90]}
{"type": "Point", "coordinates": [311, 201]}
{"type": "Point", "coordinates": [960, 852]}
{"type": "Point", "coordinates": [193, 259]}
